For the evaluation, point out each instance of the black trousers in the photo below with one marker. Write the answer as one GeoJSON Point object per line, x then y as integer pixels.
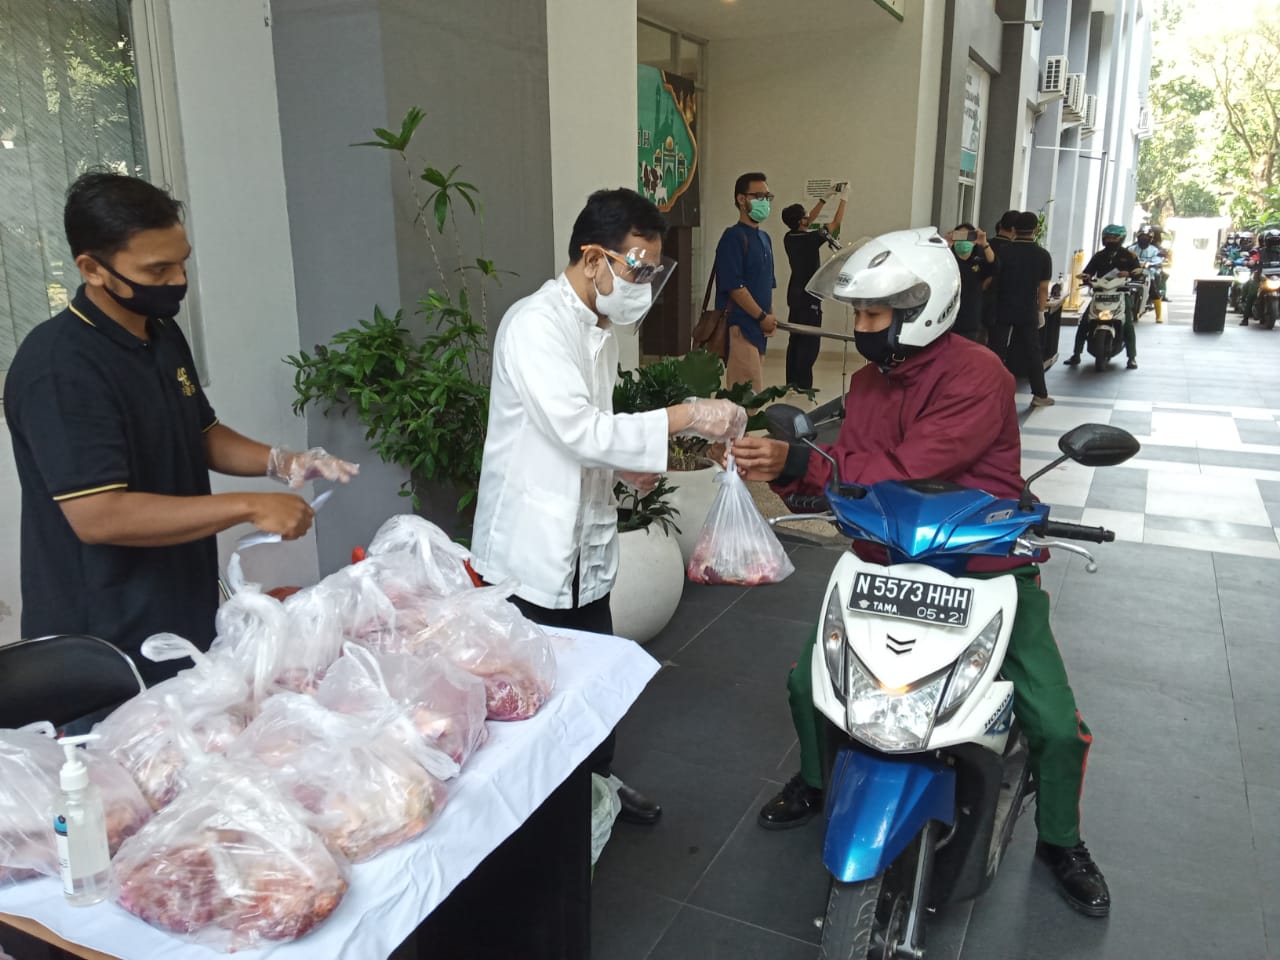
{"type": "Point", "coordinates": [1019, 348]}
{"type": "Point", "coordinates": [595, 617]}
{"type": "Point", "coordinates": [802, 351]}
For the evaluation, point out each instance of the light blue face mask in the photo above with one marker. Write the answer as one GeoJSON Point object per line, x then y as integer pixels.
{"type": "Point", "coordinates": [759, 211]}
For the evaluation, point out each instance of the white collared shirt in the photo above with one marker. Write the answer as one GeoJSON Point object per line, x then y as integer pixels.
{"type": "Point", "coordinates": [545, 506]}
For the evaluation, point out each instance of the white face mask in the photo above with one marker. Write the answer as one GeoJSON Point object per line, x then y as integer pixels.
{"type": "Point", "coordinates": [627, 303]}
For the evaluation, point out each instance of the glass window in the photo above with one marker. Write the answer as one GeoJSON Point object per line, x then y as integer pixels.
{"type": "Point", "coordinates": [655, 46]}
{"type": "Point", "coordinates": [68, 103]}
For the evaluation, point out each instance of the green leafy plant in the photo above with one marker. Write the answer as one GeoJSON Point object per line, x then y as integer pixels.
{"type": "Point", "coordinates": [636, 512]}
{"type": "Point", "coordinates": [419, 389]}
{"type": "Point", "coordinates": [698, 373]}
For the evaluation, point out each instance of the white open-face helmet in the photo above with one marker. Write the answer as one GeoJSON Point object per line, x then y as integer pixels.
{"type": "Point", "coordinates": [912, 271]}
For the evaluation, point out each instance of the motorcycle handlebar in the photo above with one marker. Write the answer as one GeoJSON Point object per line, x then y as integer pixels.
{"type": "Point", "coordinates": [1075, 531]}
{"type": "Point", "coordinates": [806, 503]}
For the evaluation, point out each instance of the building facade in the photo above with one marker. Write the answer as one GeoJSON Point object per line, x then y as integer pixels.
{"type": "Point", "coordinates": [935, 111]}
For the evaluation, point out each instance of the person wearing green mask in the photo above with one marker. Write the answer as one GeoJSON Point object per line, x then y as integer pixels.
{"type": "Point", "coordinates": [977, 263]}
{"type": "Point", "coordinates": [745, 282]}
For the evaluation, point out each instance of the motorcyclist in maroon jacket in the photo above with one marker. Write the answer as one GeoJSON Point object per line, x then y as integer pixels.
{"type": "Point", "coordinates": [932, 405]}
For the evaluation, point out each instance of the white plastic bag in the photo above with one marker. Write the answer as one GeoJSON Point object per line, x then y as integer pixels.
{"type": "Point", "coordinates": [480, 631]}
{"type": "Point", "coordinates": [441, 561]}
{"type": "Point", "coordinates": [605, 807]}
{"type": "Point", "coordinates": [444, 706]}
{"type": "Point", "coordinates": [230, 863]}
{"type": "Point", "coordinates": [363, 790]}
{"type": "Point", "coordinates": [30, 760]}
{"type": "Point", "coordinates": [736, 545]}
{"type": "Point", "coordinates": [156, 734]}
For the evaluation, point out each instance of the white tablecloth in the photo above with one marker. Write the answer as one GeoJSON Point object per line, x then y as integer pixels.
{"type": "Point", "coordinates": [599, 678]}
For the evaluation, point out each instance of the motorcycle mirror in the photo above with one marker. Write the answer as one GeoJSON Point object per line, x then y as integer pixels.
{"type": "Point", "coordinates": [1098, 445]}
{"type": "Point", "coordinates": [785, 422]}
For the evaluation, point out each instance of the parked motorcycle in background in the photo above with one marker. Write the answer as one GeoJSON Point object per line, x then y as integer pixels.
{"type": "Point", "coordinates": [929, 771]}
{"type": "Point", "coordinates": [1138, 289]}
{"type": "Point", "coordinates": [1266, 306]}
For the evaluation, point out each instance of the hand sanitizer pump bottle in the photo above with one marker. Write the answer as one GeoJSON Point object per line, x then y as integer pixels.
{"type": "Point", "coordinates": [80, 829]}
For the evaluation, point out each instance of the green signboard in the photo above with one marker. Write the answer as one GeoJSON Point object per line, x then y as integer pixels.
{"type": "Point", "coordinates": [667, 144]}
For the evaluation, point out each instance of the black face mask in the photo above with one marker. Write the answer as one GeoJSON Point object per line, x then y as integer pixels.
{"type": "Point", "coordinates": [875, 347]}
{"type": "Point", "coordinates": [149, 299]}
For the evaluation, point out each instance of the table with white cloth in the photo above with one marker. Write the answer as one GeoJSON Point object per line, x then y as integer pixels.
{"type": "Point", "coordinates": [502, 785]}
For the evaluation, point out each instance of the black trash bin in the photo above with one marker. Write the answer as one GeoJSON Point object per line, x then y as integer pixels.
{"type": "Point", "coordinates": [1211, 304]}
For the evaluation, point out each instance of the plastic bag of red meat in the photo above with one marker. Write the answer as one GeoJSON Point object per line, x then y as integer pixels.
{"type": "Point", "coordinates": [362, 788]}
{"type": "Point", "coordinates": [480, 631]}
{"type": "Point", "coordinates": [736, 545]}
{"type": "Point", "coordinates": [230, 863]}
{"type": "Point", "coordinates": [30, 760]}
{"type": "Point", "coordinates": [280, 646]}
{"type": "Point", "coordinates": [159, 731]}
{"type": "Point", "coordinates": [443, 705]}
{"type": "Point", "coordinates": [442, 562]}
{"type": "Point", "coordinates": [388, 598]}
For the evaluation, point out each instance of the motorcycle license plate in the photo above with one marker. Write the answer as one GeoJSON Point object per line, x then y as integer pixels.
{"type": "Point", "coordinates": [915, 600]}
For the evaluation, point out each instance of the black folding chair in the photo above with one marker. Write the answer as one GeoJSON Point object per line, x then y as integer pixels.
{"type": "Point", "coordinates": [63, 678]}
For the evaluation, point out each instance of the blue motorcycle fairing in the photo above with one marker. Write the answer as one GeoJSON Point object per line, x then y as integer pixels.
{"type": "Point", "coordinates": [934, 522]}
{"type": "Point", "coordinates": [876, 805]}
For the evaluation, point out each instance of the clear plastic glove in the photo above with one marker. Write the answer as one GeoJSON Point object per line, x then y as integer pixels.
{"type": "Point", "coordinates": [719, 421]}
{"type": "Point", "coordinates": [294, 469]}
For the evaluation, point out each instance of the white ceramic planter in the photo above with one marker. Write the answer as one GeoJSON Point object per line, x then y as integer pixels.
{"type": "Point", "coordinates": [695, 492]}
{"type": "Point", "coordinates": [650, 583]}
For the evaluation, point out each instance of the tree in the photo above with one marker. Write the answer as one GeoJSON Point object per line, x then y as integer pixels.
{"type": "Point", "coordinates": [1243, 66]}
{"type": "Point", "coordinates": [1170, 170]}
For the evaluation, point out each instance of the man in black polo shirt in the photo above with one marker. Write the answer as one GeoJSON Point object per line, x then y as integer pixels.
{"type": "Point", "coordinates": [114, 440]}
{"type": "Point", "coordinates": [1022, 294]}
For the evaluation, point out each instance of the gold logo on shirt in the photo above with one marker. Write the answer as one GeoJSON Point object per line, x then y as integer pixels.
{"type": "Point", "coordinates": [188, 388]}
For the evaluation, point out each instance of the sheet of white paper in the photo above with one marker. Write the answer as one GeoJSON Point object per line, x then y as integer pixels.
{"type": "Point", "coordinates": [815, 190]}
{"type": "Point", "coordinates": [599, 677]}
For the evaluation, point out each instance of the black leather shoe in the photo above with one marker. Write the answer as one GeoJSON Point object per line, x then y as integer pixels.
{"type": "Point", "coordinates": [637, 808]}
{"type": "Point", "coordinates": [1079, 880]}
{"type": "Point", "coordinates": [1132, 364]}
{"type": "Point", "coordinates": [1072, 361]}
{"type": "Point", "coordinates": [1244, 322]}
{"type": "Point", "coordinates": [794, 806]}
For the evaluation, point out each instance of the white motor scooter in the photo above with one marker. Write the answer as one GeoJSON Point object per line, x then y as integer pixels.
{"type": "Point", "coordinates": [928, 772]}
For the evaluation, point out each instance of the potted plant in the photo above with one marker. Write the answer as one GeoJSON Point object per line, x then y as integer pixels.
{"type": "Point", "coordinates": [672, 380]}
{"type": "Point", "coordinates": [650, 570]}
{"type": "Point", "coordinates": [420, 389]}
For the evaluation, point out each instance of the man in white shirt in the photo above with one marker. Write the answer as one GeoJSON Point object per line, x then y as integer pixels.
{"type": "Point", "coordinates": [545, 512]}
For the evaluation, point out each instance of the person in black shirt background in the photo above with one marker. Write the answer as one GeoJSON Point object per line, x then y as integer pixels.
{"type": "Point", "coordinates": [1003, 236]}
{"type": "Point", "coordinates": [1022, 294]}
{"type": "Point", "coordinates": [804, 246]}
{"type": "Point", "coordinates": [977, 263]}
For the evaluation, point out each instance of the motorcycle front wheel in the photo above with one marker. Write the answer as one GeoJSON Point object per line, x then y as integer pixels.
{"type": "Point", "coordinates": [1270, 314]}
{"type": "Point", "coordinates": [866, 920]}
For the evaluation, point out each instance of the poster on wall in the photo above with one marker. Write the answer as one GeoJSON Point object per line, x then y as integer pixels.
{"type": "Point", "coordinates": [816, 189]}
{"type": "Point", "coordinates": [971, 125]}
{"type": "Point", "coordinates": [667, 145]}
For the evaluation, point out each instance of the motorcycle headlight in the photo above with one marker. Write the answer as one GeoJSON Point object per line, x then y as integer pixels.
{"type": "Point", "coordinates": [971, 665]}
{"type": "Point", "coordinates": [1242, 275]}
{"type": "Point", "coordinates": [1105, 314]}
{"type": "Point", "coordinates": [893, 720]}
{"type": "Point", "coordinates": [1271, 283]}
{"type": "Point", "coordinates": [835, 646]}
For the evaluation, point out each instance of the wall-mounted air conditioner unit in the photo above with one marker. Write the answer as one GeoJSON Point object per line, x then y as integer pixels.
{"type": "Point", "coordinates": [1090, 123]}
{"type": "Point", "coordinates": [1073, 104]}
{"type": "Point", "coordinates": [1053, 82]}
